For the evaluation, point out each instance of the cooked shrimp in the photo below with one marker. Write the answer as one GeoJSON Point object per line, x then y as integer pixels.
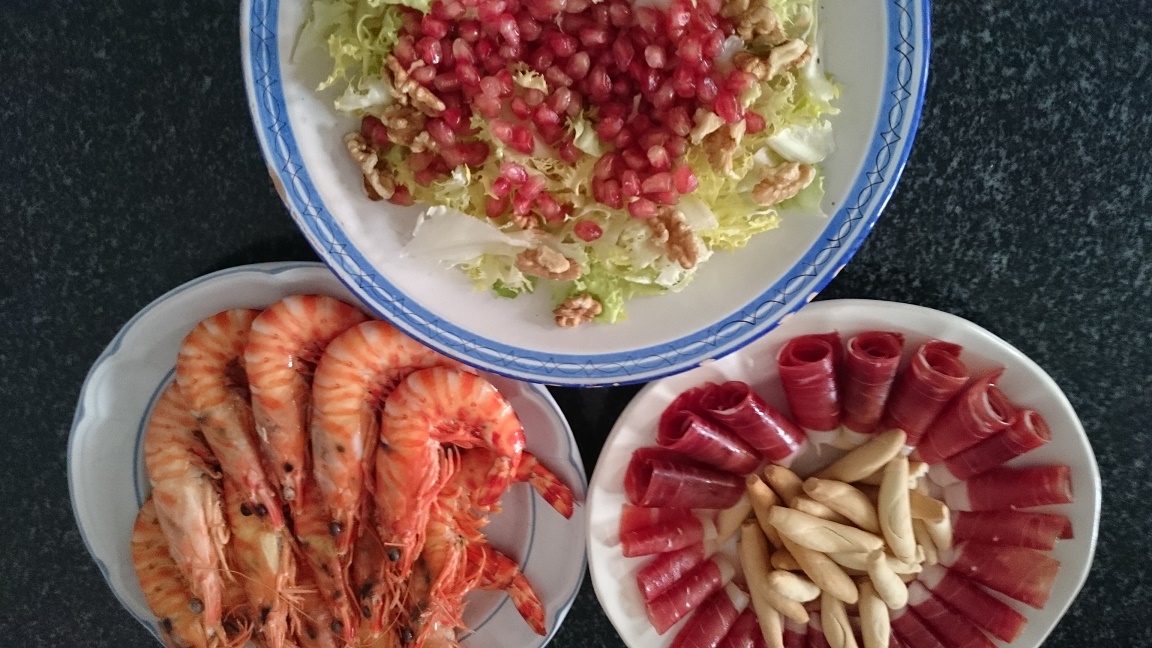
{"type": "Point", "coordinates": [316, 626]}
{"type": "Point", "coordinates": [356, 373]}
{"type": "Point", "coordinates": [318, 548]}
{"type": "Point", "coordinates": [284, 345]}
{"type": "Point", "coordinates": [499, 572]}
{"type": "Point", "coordinates": [434, 600]}
{"type": "Point", "coordinates": [179, 613]}
{"type": "Point", "coordinates": [370, 574]}
{"type": "Point", "coordinates": [186, 493]}
{"type": "Point", "coordinates": [210, 372]}
{"type": "Point", "coordinates": [475, 464]}
{"type": "Point", "coordinates": [262, 557]}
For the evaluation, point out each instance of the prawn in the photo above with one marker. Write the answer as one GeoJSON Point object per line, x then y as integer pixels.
{"type": "Point", "coordinates": [186, 497]}
{"type": "Point", "coordinates": [476, 462]}
{"type": "Point", "coordinates": [284, 345]}
{"type": "Point", "coordinates": [497, 571]}
{"type": "Point", "coordinates": [210, 372]}
{"type": "Point", "coordinates": [318, 550]}
{"type": "Point", "coordinates": [316, 626]}
{"type": "Point", "coordinates": [262, 555]}
{"type": "Point", "coordinates": [357, 371]}
{"type": "Point", "coordinates": [178, 612]}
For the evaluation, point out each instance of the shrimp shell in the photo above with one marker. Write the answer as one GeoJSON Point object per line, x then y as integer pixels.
{"type": "Point", "coordinates": [358, 370]}
{"type": "Point", "coordinates": [499, 572]}
{"type": "Point", "coordinates": [210, 372]}
{"type": "Point", "coordinates": [186, 497]}
{"type": "Point", "coordinates": [318, 548]}
{"type": "Point", "coordinates": [284, 345]}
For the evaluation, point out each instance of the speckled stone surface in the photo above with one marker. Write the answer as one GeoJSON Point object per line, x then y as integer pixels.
{"type": "Point", "coordinates": [128, 166]}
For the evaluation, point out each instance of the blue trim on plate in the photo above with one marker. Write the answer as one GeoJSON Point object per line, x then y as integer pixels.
{"type": "Point", "coordinates": [844, 234]}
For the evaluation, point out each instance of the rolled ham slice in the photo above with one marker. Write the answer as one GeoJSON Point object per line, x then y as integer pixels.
{"type": "Point", "coordinates": [911, 631]}
{"type": "Point", "coordinates": [713, 620]}
{"type": "Point", "coordinates": [663, 571]}
{"type": "Point", "coordinates": [808, 365]}
{"type": "Point", "coordinates": [1012, 488]}
{"type": "Point", "coordinates": [667, 536]}
{"type": "Point", "coordinates": [956, 630]}
{"type": "Point", "coordinates": [973, 602]}
{"type": "Point", "coordinates": [977, 413]}
{"type": "Point", "coordinates": [734, 405]}
{"type": "Point", "coordinates": [934, 375]}
{"type": "Point", "coordinates": [870, 365]}
{"type": "Point", "coordinates": [633, 518]}
{"type": "Point", "coordinates": [684, 428]}
{"type": "Point", "coordinates": [658, 477]}
{"type": "Point", "coordinates": [688, 593]}
{"type": "Point", "coordinates": [795, 634]}
{"type": "Point", "coordinates": [1023, 574]}
{"type": "Point", "coordinates": [1028, 431]}
{"type": "Point", "coordinates": [816, 638]}
{"type": "Point", "coordinates": [745, 632]}
{"type": "Point", "coordinates": [1017, 528]}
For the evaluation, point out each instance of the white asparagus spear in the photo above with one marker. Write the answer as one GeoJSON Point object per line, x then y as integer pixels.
{"type": "Point", "coordinates": [821, 535]}
{"type": "Point", "coordinates": [866, 459]}
{"type": "Point", "coordinates": [816, 509]}
{"type": "Point", "coordinates": [763, 498]}
{"type": "Point", "coordinates": [916, 469]}
{"type": "Point", "coordinates": [941, 532]}
{"type": "Point", "coordinates": [793, 586]}
{"type": "Point", "coordinates": [825, 573]}
{"type": "Point", "coordinates": [845, 500]}
{"type": "Point", "coordinates": [924, 540]}
{"type": "Point", "coordinates": [783, 559]}
{"type": "Point", "coordinates": [785, 482]}
{"type": "Point", "coordinates": [859, 562]}
{"type": "Point", "coordinates": [771, 623]}
{"type": "Point", "coordinates": [754, 557]}
{"type": "Point", "coordinates": [888, 585]}
{"type": "Point", "coordinates": [875, 624]}
{"type": "Point", "coordinates": [728, 521]}
{"type": "Point", "coordinates": [834, 618]}
{"type": "Point", "coordinates": [893, 508]}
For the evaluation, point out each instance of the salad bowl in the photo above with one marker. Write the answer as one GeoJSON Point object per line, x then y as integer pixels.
{"type": "Point", "coordinates": [875, 51]}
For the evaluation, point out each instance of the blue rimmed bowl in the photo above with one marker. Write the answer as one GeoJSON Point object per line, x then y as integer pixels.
{"type": "Point", "coordinates": [877, 50]}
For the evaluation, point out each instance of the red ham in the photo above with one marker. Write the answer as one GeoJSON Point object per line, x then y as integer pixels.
{"type": "Point", "coordinates": [973, 602]}
{"type": "Point", "coordinates": [633, 517]}
{"type": "Point", "coordinates": [658, 477]}
{"type": "Point", "coordinates": [686, 431]}
{"type": "Point", "coordinates": [911, 631]}
{"type": "Point", "coordinates": [734, 405]}
{"type": "Point", "coordinates": [1012, 488]}
{"type": "Point", "coordinates": [667, 536]}
{"type": "Point", "coordinates": [808, 366]}
{"type": "Point", "coordinates": [870, 367]}
{"type": "Point", "coordinates": [1018, 528]}
{"type": "Point", "coordinates": [1027, 432]}
{"type": "Point", "coordinates": [713, 620]}
{"type": "Point", "coordinates": [1023, 574]}
{"type": "Point", "coordinates": [934, 375]}
{"type": "Point", "coordinates": [745, 632]}
{"type": "Point", "coordinates": [664, 570]}
{"type": "Point", "coordinates": [977, 413]}
{"type": "Point", "coordinates": [688, 593]}
{"type": "Point", "coordinates": [816, 638]}
{"type": "Point", "coordinates": [795, 634]}
{"type": "Point", "coordinates": [955, 630]}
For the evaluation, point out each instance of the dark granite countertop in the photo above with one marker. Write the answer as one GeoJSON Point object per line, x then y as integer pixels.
{"type": "Point", "coordinates": [128, 166]}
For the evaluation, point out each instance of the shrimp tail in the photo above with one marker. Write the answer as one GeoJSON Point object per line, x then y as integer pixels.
{"type": "Point", "coordinates": [499, 572]}
{"type": "Point", "coordinates": [554, 491]}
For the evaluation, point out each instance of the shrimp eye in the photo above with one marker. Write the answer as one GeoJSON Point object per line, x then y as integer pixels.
{"type": "Point", "coordinates": [166, 624]}
{"type": "Point", "coordinates": [287, 467]}
{"type": "Point", "coordinates": [337, 627]}
{"type": "Point", "coordinates": [196, 606]}
{"type": "Point", "coordinates": [264, 612]}
{"type": "Point", "coordinates": [335, 528]}
{"type": "Point", "coordinates": [245, 510]}
{"type": "Point", "coordinates": [393, 554]}
{"type": "Point", "coordinates": [406, 635]}
{"type": "Point", "coordinates": [261, 510]}
{"type": "Point", "coordinates": [366, 611]}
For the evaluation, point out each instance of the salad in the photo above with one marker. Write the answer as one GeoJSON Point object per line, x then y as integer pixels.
{"type": "Point", "coordinates": [597, 150]}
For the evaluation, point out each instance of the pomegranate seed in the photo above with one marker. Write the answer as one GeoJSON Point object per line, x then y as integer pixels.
{"type": "Point", "coordinates": [557, 78]}
{"type": "Point", "coordinates": [521, 205]}
{"type": "Point", "coordinates": [462, 51]}
{"type": "Point", "coordinates": [663, 97]}
{"type": "Point", "coordinates": [576, 6]}
{"type": "Point", "coordinates": [739, 81]}
{"type": "Point", "coordinates": [684, 180]}
{"type": "Point", "coordinates": [513, 6]}
{"type": "Point", "coordinates": [453, 155]}
{"type": "Point", "coordinates": [494, 207]}
{"type": "Point", "coordinates": [578, 65]}
{"type": "Point", "coordinates": [623, 88]}
{"type": "Point", "coordinates": [405, 50]}
{"type": "Point", "coordinates": [676, 146]}
{"type": "Point", "coordinates": [649, 81]}
{"type": "Point", "coordinates": [449, 11]}
{"type": "Point", "coordinates": [520, 108]}
{"type": "Point", "coordinates": [523, 140]}
{"type": "Point", "coordinates": [609, 126]}
{"type": "Point", "coordinates": [599, 83]}
{"type": "Point", "coordinates": [430, 50]}
{"type": "Point", "coordinates": [600, 15]}
{"type": "Point", "coordinates": [690, 50]}
{"type": "Point", "coordinates": [623, 51]}
{"type": "Point", "coordinates": [587, 231]}
{"type": "Point", "coordinates": [706, 90]}
{"type": "Point", "coordinates": [606, 167]}
{"type": "Point", "coordinates": [468, 75]}
{"type": "Point", "coordinates": [652, 138]}
{"type": "Point", "coordinates": [658, 158]}
{"type": "Point", "coordinates": [487, 106]}
{"type": "Point", "coordinates": [649, 19]}
{"type": "Point", "coordinates": [441, 133]}
{"type": "Point", "coordinates": [453, 117]}
{"type": "Point", "coordinates": [679, 14]}
{"type": "Point", "coordinates": [533, 186]}
{"type": "Point", "coordinates": [446, 82]}
{"type": "Point", "coordinates": [424, 177]}
{"type": "Point", "coordinates": [490, 86]}
{"type": "Point", "coordinates": [684, 83]}
{"type": "Point", "coordinates": [540, 59]}
{"type": "Point", "coordinates": [709, 7]}
{"type": "Point", "coordinates": [610, 194]}
{"type": "Point", "coordinates": [642, 208]}
{"type": "Point", "coordinates": [469, 30]}
{"type": "Point", "coordinates": [501, 187]}
{"type": "Point", "coordinates": [663, 197]}
{"type": "Point", "coordinates": [433, 27]}
{"type": "Point", "coordinates": [476, 153]}
{"type": "Point", "coordinates": [678, 121]}
{"type": "Point", "coordinates": [754, 122]}
{"type": "Point", "coordinates": [655, 57]}
{"type": "Point", "coordinates": [635, 159]}
{"type": "Point", "coordinates": [620, 13]}
{"type": "Point", "coordinates": [514, 173]}
{"type": "Point", "coordinates": [713, 44]}
{"type": "Point", "coordinates": [562, 45]}
{"type": "Point", "coordinates": [530, 30]}
{"type": "Point", "coordinates": [409, 20]}
{"type": "Point", "coordinates": [544, 9]}
{"type": "Point", "coordinates": [630, 183]}
{"type": "Point", "coordinates": [507, 85]}
{"type": "Point", "coordinates": [549, 208]}
{"type": "Point", "coordinates": [401, 196]}
{"type": "Point", "coordinates": [728, 107]}
{"type": "Point", "coordinates": [374, 131]}
{"type": "Point", "coordinates": [569, 153]}
{"type": "Point", "coordinates": [545, 116]}
{"type": "Point", "coordinates": [534, 96]}
{"type": "Point", "coordinates": [502, 129]}
{"type": "Point", "coordinates": [657, 182]}
{"type": "Point", "coordinates": [491, 10]}
{"type": "Point", "coordinates": [507, 53]}
{"type": "Point", "coordinates": [509, 29]}
{"type": "Point", "coordinates": [424, 74]}
{"type": "Point", "coordinates": [623, 139]}
{"type": "Point", "coordinates": [641, 123]}
{"type": "Point", "coordinates": [593, 36]}
{"type": "Point", "coordinates": [560, 99]}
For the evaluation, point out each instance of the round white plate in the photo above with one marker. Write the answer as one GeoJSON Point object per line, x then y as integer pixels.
{"type": "Point", "coordinates": [1023, 381]}
{"type": "Point", "coordinates": [877, 50]}
{"type": "Point", "coordinates": [106, 473]}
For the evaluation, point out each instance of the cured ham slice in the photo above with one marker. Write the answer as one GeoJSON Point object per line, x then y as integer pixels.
{"type": "Point", "coordinates": [734, 405]}
{"type": "Point", "coordinates": [816, 638]}
{"type": "Point", "coordinates": [955, 630]}
{"type": "Point", "coordinates": [745, 632]}
{"type": "Point", "coordinates": [667, 536]}
{"type": "Point", "coordinates": [808, 365]}
{"type": "Point", "coordinates": [795, 634]}
{"type": "Point", "coordinates": [1017, 528]}
{"type": "Point", "coordinates": [934, 375]}
{"type": "Point", "coordinates": [633, 518]}
{"type": "Point", "coordinates": [972, 602]}
{"type": "Point", "coordinates": [659, 477]}
{"type": "Point", "coordinates": [663, 571]}
{"type": "Point", "coordinates": [911, 631]}
{"type": "Point", "coordinates": [1023, 574]}
{"type": "Point", "coordinates": [712, 621]}
{"type": "Point", "coordinates": [870, 367]}
{"type": "Point", "coordinates": [688, 593]}
{"type": "Point", "coordinates": [1028, 431]}
{"type": "Point", "coordinates": [1012, 488]}
{"type": "Point", "coordinates": [977, 413]}
{"type": "Point", "coordinates": [684, 428]}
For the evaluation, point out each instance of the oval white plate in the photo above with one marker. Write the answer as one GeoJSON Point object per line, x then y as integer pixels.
{"type": "Point", "coordinates": [876, 49]}
{"type": "Point", "coordinates": [1023, 381]}
{"type": "Point", "coordinates": [105, 463]}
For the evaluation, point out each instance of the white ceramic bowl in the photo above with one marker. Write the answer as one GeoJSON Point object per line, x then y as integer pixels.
{"type": "Point", "coordinates": [107, 482]}
{"type": "Point", "coordinates": [1023, 381]}
{"type": "Point", "coordinates": [877, 51]}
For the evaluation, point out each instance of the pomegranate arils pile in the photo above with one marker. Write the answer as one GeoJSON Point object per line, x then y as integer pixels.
{"type": "Point", "coordinates": [645, 71]}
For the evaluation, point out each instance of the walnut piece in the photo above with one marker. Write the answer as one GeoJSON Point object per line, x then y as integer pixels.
{"type": "Point", "coordinates": [576, 310]}
{"type": "Point", "coordinates": [721, 145]}
{"type": "Point", "coordinates": [679, 242]}
{"type": "Point", "coordinates": [783, 182]}
{"type": "Point", "coordinates": [786, 56]}
{"type": "Point", "coordinates": [408, 90]}
{"type": "Point", "coordinates": [752, 64]}
{"type": "Point", "coordinates": [755, 20]}
{"type": "Point", "coordinates": [404, 123]}
{"type": "Point", "coordinates": [547, 263]}
{"type": "Point", "coordinates": [705, 123]}
{"type": "Point", "coordinates": [378, 183]}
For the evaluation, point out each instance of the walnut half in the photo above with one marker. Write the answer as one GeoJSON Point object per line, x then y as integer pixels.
{"type": "Point", "coordinates": [679, 242]}
{"type": "Point", "coordinates": [377, 183]}
{"type": "Point", "coordinates": [408, 90]}
{"type": "Point", "coordinates": [547, 263]}
{"type": "Point", "coordinates": [783, 182]}
{"type": "Point", "coordinates": [576, 310]}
